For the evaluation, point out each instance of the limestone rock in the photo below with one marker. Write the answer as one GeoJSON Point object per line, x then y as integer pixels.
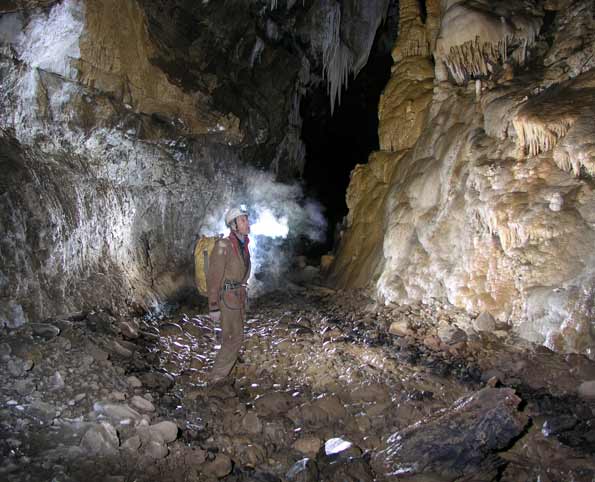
{"type": "Point", "coordinates": [400, 328]}
{"type": "Point", "coordinates": [485, 322]}
{"type": "Point", "coordinates": [142, 404]}
{"type": "Point", "coordinates": [490, 415]}
{"type": "Point", "coordinates": [56, 382]}
{"type": "Point", "coordinates": [450, 334]}
{"type": "Point", "coordinates": [219, 467]}
{"type": "Point", "coordinates": [117, 348]}
{"type": "Point", "coordinates": [167, 430]}
{"type": "Point", "coordinates": [119, 413]}
{"type": "Point", "coordinates": [128, 330]}
{"type": "Point", "coordinates": [5, 350]}
{"type": "Point", "coordinates": [101, 439]}
{"type": "Point", "coordinates": [134, 382]}
{"type": "Point", "coordinates": [587, 390]}
{"type": "Point", "coordinates": [155, 450]}
{"type": "Point", "coordinates": [157, 380]}
{"type": "Point", "coordinates": [251, 423]}
{"type": "Point", "coordinates": [45, 330]}
{"type": "Point", "coordinates": [132, 444]}
{"type": "Point", "coordinates": [274, 403]}
{"type": "Point", "coordinates": [308, 445]}
{"type": "Point", "coordinates": [304, 470]}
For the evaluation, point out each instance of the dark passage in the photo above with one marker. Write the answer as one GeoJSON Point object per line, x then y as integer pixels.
{"type": "Point", "coordinates": [335, 144]}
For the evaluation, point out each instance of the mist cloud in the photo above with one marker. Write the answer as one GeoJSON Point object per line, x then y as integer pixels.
{"type": "Point", "coordinates": [281, 218]}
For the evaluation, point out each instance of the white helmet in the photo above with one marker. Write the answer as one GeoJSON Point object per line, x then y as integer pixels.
{"type": "Point", "coordinates": [234, 213]}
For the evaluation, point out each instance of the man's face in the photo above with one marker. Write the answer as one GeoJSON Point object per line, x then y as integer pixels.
{"type": "Point", "coordinates": [243, 225]}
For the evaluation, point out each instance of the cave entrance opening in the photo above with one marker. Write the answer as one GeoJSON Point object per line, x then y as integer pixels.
{"type": "Point", "coordinates": [336, 143]}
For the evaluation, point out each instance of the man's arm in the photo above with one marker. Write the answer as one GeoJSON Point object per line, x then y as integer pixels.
{"type": "Point", "coordinates": [215, 273]}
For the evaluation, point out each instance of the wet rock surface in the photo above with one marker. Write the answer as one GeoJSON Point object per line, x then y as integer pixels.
{"type": "Point", "coordinates": [329, 386]}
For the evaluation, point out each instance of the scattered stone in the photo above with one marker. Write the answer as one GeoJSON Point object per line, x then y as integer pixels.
{"type": "Point", "coordinates": [17, 367]}
{"type": "Point", "coordinates": [251, 423]}
{"type": "Point", "coordinates": [25, 386]}
{"type": "Point", "coordinates": [450, 334]}
{"type": "Point", "coordinates": [304, 470]}
{"type": "Point", "coordinates": [485, 322]}
{"type": "Point", "coordinates": [101, 439]}
{"type": "Point", "coordinates": [117, 348]}
{"type": "Point", "coordinates": [558, 425]}
{"type": "Point", "coordinates": [118, 396]}
{"type": "Point", "coordinates": [587, 390]}
{"type": "Point", "coordinates": [56, 381]}
{"type": "Point", "coordinates": [219, 467]}
{"type": "Point", "coordinates": [97, 353]}
{"type": "Point", "coordinates": [157, 380]}
{"type": "Point", "coordinates": [134, 382]}
{"type": "Point", "coordinates": [149, 336]}
{"type": "Point", "coordinates": [458, 439]}
{"type": "Point", "coordinates": [221, 390]}
{"type": "Point", "coordinates": [5, 350]}
{"type": "Point", "coordinates": [170, 329]}
{"type": "Point", "coordinates": [400, 328]}
{"type": "Point", "coordinates": [132, 444]}
{"type": "Point", "coordinates": [128, 330]}
{"type": "Point", "coordinates": [372, 392]}
{"type": "Point", "coordinates": [102, 322]}
{"type": "Point", "coordinates": [308, 445]}
{"type": "Point", "coordinates": [120, 413]}
{"type": "Point", "coordinates": [167, 430]}
{"type": "Point", "coordinates": [45, 330]}
{"type": "Point", "coordinates": [44, 411]}
{"type": "Point", "coordinates": [432, 342]}
{"type": "Point", "coordinates": [155, 450]}
{"type": "Point", "coordinates": [195, 456]}
{"type": "Point", "coordinates": [142, 404]}
{"type": "Point", "coordinates": [354, 469]}
{"type": "Point", "coordinates": [338, 447]}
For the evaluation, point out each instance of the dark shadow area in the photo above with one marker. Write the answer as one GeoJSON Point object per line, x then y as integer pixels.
{"type": "Point", "coordinates": [336, 143]}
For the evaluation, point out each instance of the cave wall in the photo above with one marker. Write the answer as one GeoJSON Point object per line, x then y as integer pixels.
{"type": "Point", "coordinates": [110, 167]}
{"type": "Point", "coordinates": [128, 127]}
{"type": "Point", "coordinates": [482, 193]}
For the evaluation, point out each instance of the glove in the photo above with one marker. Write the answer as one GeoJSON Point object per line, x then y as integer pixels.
{"type": "Point", "coordinates": [215, 315]}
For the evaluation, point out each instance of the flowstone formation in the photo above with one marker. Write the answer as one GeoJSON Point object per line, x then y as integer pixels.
{"type": "Point", "coordinates": [127, 129]}
{"type": "Point", "coordinates": [483, 189]}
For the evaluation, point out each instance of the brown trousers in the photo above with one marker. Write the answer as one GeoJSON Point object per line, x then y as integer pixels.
{"type": "Point", "coordinates": [233, 312]}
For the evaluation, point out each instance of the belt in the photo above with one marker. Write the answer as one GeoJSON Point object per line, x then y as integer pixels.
{"type": "Point", "coordinates": [233, 285]}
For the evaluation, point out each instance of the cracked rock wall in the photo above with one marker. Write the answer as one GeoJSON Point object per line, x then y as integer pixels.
{"type": "Point", "coordinates": [483, 188]}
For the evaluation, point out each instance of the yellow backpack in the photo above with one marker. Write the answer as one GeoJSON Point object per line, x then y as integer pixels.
{"type": "Point", "coordinates": [202, 250]}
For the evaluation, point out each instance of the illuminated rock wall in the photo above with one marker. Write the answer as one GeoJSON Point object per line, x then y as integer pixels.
{"type": "Point", "coordinates": [110, 167]}
{"type": "Point", "coordinates": [482, 194]}
{"type": "Point", "coordinates": [128, 128]}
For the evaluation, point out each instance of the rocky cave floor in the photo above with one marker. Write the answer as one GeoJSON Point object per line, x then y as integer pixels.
{"type": "Point", "coordinates": [329, 387]}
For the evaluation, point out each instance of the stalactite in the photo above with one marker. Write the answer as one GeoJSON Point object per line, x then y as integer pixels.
{"type": "Point", "coordinates": [473, 38]}
{"type": "Point", "coordinates": [336, 57]}
{"type": "Point", "coordinates": [536, 136]}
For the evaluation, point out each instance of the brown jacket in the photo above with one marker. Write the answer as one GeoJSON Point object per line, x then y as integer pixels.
{"type": "Point", "coordinates": [226, 263]}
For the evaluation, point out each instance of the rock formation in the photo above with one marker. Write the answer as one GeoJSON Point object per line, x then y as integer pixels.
{"type": "Point", "coordinates": [482, 189]}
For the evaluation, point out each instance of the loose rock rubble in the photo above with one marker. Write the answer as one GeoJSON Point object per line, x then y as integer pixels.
{"type": "Point", "coordinates": [330, 386]}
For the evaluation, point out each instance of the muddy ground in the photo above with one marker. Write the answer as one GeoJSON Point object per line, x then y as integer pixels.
{"type": "Point", "coordinates": [330, 387]}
